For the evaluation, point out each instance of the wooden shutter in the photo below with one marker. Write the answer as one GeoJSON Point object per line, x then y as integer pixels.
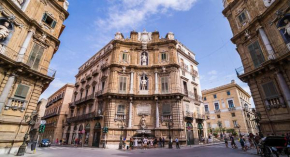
{"type": "Point", "coordinates": [121, 109]}
{"type": "Point", "coordinates": [124, 83]}
{"type": "Point", "coordinates": [166, 83]}
{"type": "Point", "coordinates": [270, 90]}
{"type": "Point", "coordinates": [162, 84]}
{"type": "Point", "coordinates": [256, 54]}
{"type": "Point", "coordinates": [21, 91]}
{"type": "Point", "coordinates": [53, 24]}
{"type": "Point", "coordinates": [33, 54]}
{"type": "Point", "coordinates": [120, 81]}
{"type": "Point", "coordinates": [38, 58]}
{"type": "Point", "coordinates": [44, 17]}
{"type": "Point", "coordinates": [166, 109]}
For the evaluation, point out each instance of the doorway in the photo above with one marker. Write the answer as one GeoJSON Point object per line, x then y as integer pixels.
{"type": "Point", "coordinates": [97, 135]}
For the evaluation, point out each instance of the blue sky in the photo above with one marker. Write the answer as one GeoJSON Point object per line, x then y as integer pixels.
{"type": "Point", "coordinates": [198, 24]}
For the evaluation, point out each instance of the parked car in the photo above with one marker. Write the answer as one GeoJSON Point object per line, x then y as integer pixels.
{"type": "Point", "coordinates": [45, 143]}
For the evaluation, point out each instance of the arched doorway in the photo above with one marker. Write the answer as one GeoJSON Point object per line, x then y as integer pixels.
{"type": "Point", "coordinates": [200, 131]}
{"type": "Point", "coordinates": [189, 133]}
{"type": "Point", "coordinates": [81, 132]}
{"type": "Point", "coordinates": [97, 135]}
{"type": "Point", "coordinates": [87, 134]}
{"type": "Point", "coordinates": [67, 135]}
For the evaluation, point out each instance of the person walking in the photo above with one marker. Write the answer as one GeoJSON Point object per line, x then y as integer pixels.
{"type": "Point", "coordinates": [160, 142]}
{"type": "Point", "coordinates": [163, 141]}
{"type": "Point", "coordinates": [257, 139]}
{"type": "Point", "coordinates": [233, 143]}
{"type": "Point", "coordinates": [226, 141]}
{"type": "Point", "coordinates": [177, 143]}
{"type": "Point", "coordinates": [242, 142]}
{"type": "Point", "coordinates": [145, 143]}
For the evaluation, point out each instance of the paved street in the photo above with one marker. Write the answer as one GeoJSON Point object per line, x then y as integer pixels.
{"type": "Point", "coordinates": [196, 151]}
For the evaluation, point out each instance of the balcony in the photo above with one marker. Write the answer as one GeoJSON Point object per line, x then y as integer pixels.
{"type": "Point", "coordinates": [89, 116]}
{"type": "Point", "coordinates": [198, 98]}
{"type": "Point", "coordinates": [217, 111]}
{"type": "Point", "coordinates": [50, 124]}
{"type": "Point", "coordinates": [207, 112]}
{"type": "Point", "coordinates": [194, 73]}
{"type": "Point", "coordinates": [99, 93]}
{"type": "Point", "coordinates": [83, 80]}
{"type": "Point", "coordinates": [232, 108]}
{"type": "Point", "coordinates": [72, 104]}
{"type": "Point", "coordinates": [275, 102]}
{"type": "Point", "coordinates": [166, 117]}
{"type": "Point", "coordinates": [16, 104]}
{"type": "Point", "coordinates": [13, 55]}
{"type": "Point", "coordinates": [89, 77]}
{"type": "Point", "coordinates": [185, 92]}
{"type": "Point", "coordinates": [199, 116]}
{"type": "Point", "coordinates": [50, 115]}
{"type": "Point", "coordinates": [189, 114]}
{"type": "Point", "coordinates": [120, 117]}
{"type": "Point", "coordinates": [85, 99]}
{"type": "Point", "coordinates": [77, 84]}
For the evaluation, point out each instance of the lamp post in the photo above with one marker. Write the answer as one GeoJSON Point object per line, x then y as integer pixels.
{"type": "Point", "coordinates": [256, 119]}
{"type": "Point", "coordinates": [28, 119]}
{"type": "Point", "coordinates": [220, 126]}
{"type": "Point", "coordinates": [169, 125]}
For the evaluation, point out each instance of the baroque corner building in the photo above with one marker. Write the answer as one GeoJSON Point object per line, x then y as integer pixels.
{"type": "Point", "coordinates": [139, 86]}
{"type": "Point", "coordinates": [261, 32]}
{"type": "Point", "coordinates": [28, 41]}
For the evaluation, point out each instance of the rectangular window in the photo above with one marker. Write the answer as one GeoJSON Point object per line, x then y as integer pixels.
{"type": "Point", "coordinates": [235, 123]}
{"type": "Point", "coordinates": [103, 85]}
{"type": "Point", "coordinates": [206, 108]}
{"type": "Point", "coordinates": [121, 109]}
{"type": "Point", "coordinates": [21, 91]}
{"type": "Point", "coordinates": [214, 96]}
{"type": "Point", "coordinates": [163, 56]}
{"type": "Point", "coordinates": [204, 98]}
{"type": "Point", "coordinates": [164, 84]}
{"type": "Point", "coordinates": [256, 54]}
{"type": "Point", "coordinates": [166, 109]}
{"type": "Point", "coordinates": [231, 103]}
{"type": "Point", "coordinates": [216, 106]}
{"type": "Point", "coordinates": [270, 90]}
{"type": "Point", "coordinates": [187, 107]}
{"type": "Point", "coordinates": [183, 73]}
{"type": "Point", "coordinates": [35, 56]}
{"type": "Point", "coordinates": [122, 82]}
{"type": "Point", "coordinates": [228, 93]}
{"type": "Point", "coordinates": [193, 78]}
{"type": "Point", "coordinates": [125, 56]}
{"type": "Point", "coordinates": [242, 18]}
{"type": "Point", "coordinates": [233, 115]}
{"type": "Point", "coordinates": [218, 116]}
{"type": "Point", "coordinates": [84, 110]}
{"type": "Point", "coordinates": [48, 20]}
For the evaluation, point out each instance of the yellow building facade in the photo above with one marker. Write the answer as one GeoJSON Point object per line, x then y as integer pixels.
{"type": "Point", "coordinates": [140, 86]}
{"type": "Point", "coordinates": [261, 32]}
{"type": "Point", "coordinates": [29, 32]}
{"type": "Point", "coordinates": [227, 104]}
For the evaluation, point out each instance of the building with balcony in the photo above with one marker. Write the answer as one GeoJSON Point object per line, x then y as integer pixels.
{"type": "Point", "coordinates": [227, 104]}
{"type": "Point", "coordinates": [28, 41]}
{"type": "Point", "coordinates": [136, 87]}
{"type": "Point", "coordinates": [261, 33]}
{"type": "Point", "coordinates": [34, 130]}
{"type": "Point", "coordinates": [56, 112]}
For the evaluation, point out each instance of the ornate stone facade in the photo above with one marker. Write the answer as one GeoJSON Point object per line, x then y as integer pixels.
{"type": "Point", "coordinates": [261, 33]}
{"type": "Point", "coordinates": [135, 87]}
{"type": "Point", "coordinates": [28, 41]}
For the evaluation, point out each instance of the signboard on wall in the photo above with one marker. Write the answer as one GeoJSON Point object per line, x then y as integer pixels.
{"type": "Point", "coordinates": [143, 109]}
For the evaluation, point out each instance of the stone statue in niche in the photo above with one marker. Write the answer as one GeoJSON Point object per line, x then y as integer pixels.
{"type": "Point", "coordinates": [286, 27]}
{"type": "Point", "coordinates": [4, 31]}
{"type": "Point", "coordinates": [143, 59]}
{"type": "Point", "coordinates": [143, 122]}
{"type": "Point", "coordinates": [143, 83]}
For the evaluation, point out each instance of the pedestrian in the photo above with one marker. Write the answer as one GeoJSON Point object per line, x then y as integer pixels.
{"type": "Point", "coordinates": [160, 142]}
{"type": "Point", "coordinates": [145, 143]}
{"type": "Point", "coordinates": [257, 139]}
{"type": "Point", "coordinates": [233, 143]}
{"type": "Point", "coordinates": [242, 142]}
{"type": "Point", "coordinates": [226, 141]}
{"type": "Point", "coordinates": [155, 142]}
{"type": "Point", "coordinates": [163, 141]}
{"type": "Point", "coordinates": [251, 140]}
{"type": "Point", "coordinates": [177, 143]}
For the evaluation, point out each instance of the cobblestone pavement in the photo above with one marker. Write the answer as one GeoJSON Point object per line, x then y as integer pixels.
{"type": "Point", "coordinates": [217, 150]}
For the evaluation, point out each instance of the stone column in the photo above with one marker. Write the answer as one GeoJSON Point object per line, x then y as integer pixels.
{"type": "Point", "coordinates": [130, 114]}
{"type": "Point", "coordinates": [157, 114]}
{"type": "Point", "coordinates": [24, 46]}
{"type": "Point", "coordinates": [156, 82]}
{"type": "Point", "coordinates": [6, 91]}
{"type": "Point", "coordinates": [131, 82]}
{"type": "Point", "coordinates": [284, 87]}
{"type": "Point", "coordinates": [267, 43]}
{"type": "Point", "coordinates": [25, 5]}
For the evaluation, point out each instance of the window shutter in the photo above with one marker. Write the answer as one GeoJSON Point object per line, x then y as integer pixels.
{"type": "Point", "coordinates": [44, 17]}
{"type": "Point", "coordinates": [256, 54]}
{"type": "Point", "coordinates": [38, 58]}
{"type": "Point", "coordinates": [53, 24]}
{"type": "Point", "coordinates": [33, 54]}
{"type": "Point", "coordinates": [124, 83]}
{"type": "Point", "coordinates": [166, 83]}
{"type": "Point", "coordinates": [121, 86]}
{"type": "Point", "coordinates": [270, 90]}
{"type": "Point", "coordinates": [21, 91]}
{"type": "Point", "coordinates": [162, 83]}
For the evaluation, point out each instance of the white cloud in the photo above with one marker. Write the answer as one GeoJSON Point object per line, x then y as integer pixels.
{"type": "Point", "coordinates": [55, 85]}
{"type": "Point", "coordinates": [131, 14]}
{"type": "Point", "coordinates": [213, 72]}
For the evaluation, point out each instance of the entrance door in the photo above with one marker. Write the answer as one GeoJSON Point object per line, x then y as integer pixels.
{"type": "Point", "coordinates": [97, 137]}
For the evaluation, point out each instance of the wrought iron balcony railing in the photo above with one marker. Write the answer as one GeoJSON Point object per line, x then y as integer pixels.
{"type": "Point", "coordinates": [166, 117]}
{"type": "Point", "coordinates": [16, 104]}
{"type": "Point", "coordinates": [89, 116]}
{"type": "Point", "coordinates": [13, 55]}
{"type": "Point", "coordinates": [217, 111]}
{"type": "Point", "coordinates": [232, 108]}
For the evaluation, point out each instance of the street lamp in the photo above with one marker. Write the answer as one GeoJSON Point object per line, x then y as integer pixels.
{"type": "Point", "coordinates": [257, 119]}
{"type": "Point", "coordinates": [220, 126]}
{"type": "Point", "coordinates": [27, 119]}
{"type": "Point", "coordinates": [169, 125]}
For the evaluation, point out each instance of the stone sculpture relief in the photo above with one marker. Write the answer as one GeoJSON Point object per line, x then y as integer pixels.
{"type": "Point", "coordinates": [143, 122]}
{"type": "Point", "coordinates": [143, 83]}
{"type": "Point", "coordinates": [143, 59]}
{"type": "Point", "coordinates": [4, 31]}
{"type": "Point", "coordinates": [286, 27]}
